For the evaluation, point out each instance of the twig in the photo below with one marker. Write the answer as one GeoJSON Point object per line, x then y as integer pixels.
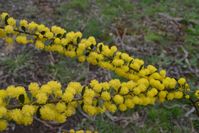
{"type": "Point", "coordinates": [43, 122]}
{"type": "Point", "coordinates": [189, 112]}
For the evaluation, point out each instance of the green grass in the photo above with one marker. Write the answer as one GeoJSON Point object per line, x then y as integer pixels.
{"type": "Point", "coordinates": [14, 64]}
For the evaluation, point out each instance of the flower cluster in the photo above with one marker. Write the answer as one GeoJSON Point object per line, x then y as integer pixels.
{"type": "Point", "coordinates": [72, 45]}
{"type": "Point", "coordinates": [80, 131]}
{"type": "Point", "coordinates": [51, 102]}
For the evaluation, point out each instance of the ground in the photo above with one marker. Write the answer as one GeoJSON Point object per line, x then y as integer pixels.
{"type": "Point", "coordinates": [162, 32]}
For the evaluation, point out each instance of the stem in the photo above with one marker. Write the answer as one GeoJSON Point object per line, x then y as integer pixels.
{"type": "Point", "coordinates": [195, 106]}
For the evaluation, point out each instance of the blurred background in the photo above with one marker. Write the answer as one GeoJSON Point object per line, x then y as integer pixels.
{"type": "Point", "coordinates": [164, 33]}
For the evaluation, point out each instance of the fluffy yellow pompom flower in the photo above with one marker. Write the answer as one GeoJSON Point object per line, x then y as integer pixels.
{"type": "Point", "coordinates": [170, 96]}
{"type": "Point", "coordinates": [151, 68]}
{"type": "Point", "coordinates": [118, 99]}
{"type": "Point", "coordinates": [136, 100]}
{"type": "Point", "coordinates": [122, 107]}
{"type": "Point", "coordinates": [11, 21]}
{"type": "Point", "coordinates": [23, 23]}
{"type": "Point", "coordinates": [106, 96]}
{"type": "Point", "coordinates": [41, 98]}
{"type": "Point", "coordinates": [97, 88]}
{"type": "Point", "coordinates": [9, 40]}
{"type": "Point", "coordinates": [118, 62]}
{"type": "Point", "coordinates": [3, 15]}
{"type": "Point", "coordinates": [60, 107]}
{"type": "Point", "coordinates": [3, 111]}
{"type": "Point", "coordinates": [21, 39]}
{"type": "Point", "coordinates": [152, 92]}
{"type": "Point", "coordinates": [3, 125]}
{"type": "Point", "coordinates": [182, 81]}
{"type": "Point", "coordinates": [196, 93]}
{"type": "Point", "coordinates": [16, 115]}
{"type": "Point", "coordinates": [34, 88]}
{"type": "Point", "coordinates": [39, 44]}
{"type": "Point", "coordinates": [47, 113]}
{"type": "Point", "coordinates": [3, 93]}
{"type": "Point", "coordinates": [91, 110]}
{"type": "Point", "coordinates": [60, 118]}
{"type": "Point", "coordinates": [129, 103]}
{"type": "Point", "coordinates": [162, 94]}
{"type": "Point", "coordinates": [32, 26]}
{"type": "Point", "coordinates": [178, 94]}
{"type": "Point", "coordinates": [115, 83]}
{"type": "Point", "coordinates": [13, 91]}
{"type": "Point", "coordinates": [49, 35]}
{"type": "Point", "coordinates": [68, 96]}
{"type": "Point", "coordinates": [9, 29]}
{"type": "Point", "coordinates": [28, 110]}
{"type": "Point", "coordinates": [46, 89]}
{"type": "Point", "coordinates": [163, 73]}
{"type": "Point", "coordinates": [124, 90]}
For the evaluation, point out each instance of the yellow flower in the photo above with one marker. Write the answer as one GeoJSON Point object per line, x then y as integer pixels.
{"type": "Point", "coordinates": [9, 29]}
{"type": "Point", "coordinates": [3, 111]}
{"type": "Point", "coordinates": [21, 39]}
{"type": "Point", "coordinates": [170, 96]}
{"type": "Point", "coordinates": [3, 125]}
{"type": "Point", "coordinates": [34, 88]}
{"type": "Point", "coordinates": [11, 21]}
{"type": "Point", "coordinates": [9, 40]}
{"type": "Point", "coordinates": [3, 93]}
{"type": "Point", "coordinates": [91, 110]}
{"type": "Point", "coordinates": [97, 88]}
{"type": "Point", "coordinates": [26, 120]}
{"type": "Point", "coordinates": [49, 35]}
{"type": "Point", "coordinates": [152, 92]}
{"type": "Point", "coordinates": [47, 113]}
{"type": "Point", "coordinates": [122, 107]}
{"type": "Point", "coordinates": [124, 90]}
{"type": "Point", "coordinates": [32, 26]}
{"type": "Point", "coordinates": [41, 98]}
{"type": "Point", "coordinates": [23, 23]}
{"type": "Point", "coordinates": [60, 118]}
{"type": "Point", "coordinates": [162, 94]}
{"type": "Point", "coordinates": [118, 99]}
{"type": "Point", "coordinates": [151, 68]}
{"type": "Point", "coordinates": [3, 15]}
{"type": "Point", "coordinates": [16, 115]}
{"type": "Point", "coordinates": [129, 103]}
{"type": "Point", "coordinates": [136, 100]}
{"type": "Point", "coordinates": [197, 93]}
{"type": "Point", "coordinates": [163, 73]}
{"type": "Point", "coordinates": [106, 96]}
{"type": "Point", "coordinates": [39, 44]}
{"type": "Point", "coordinates": [28, 110]}
{"type": "Point", "coordinates": [46, 89]}
{"type": "Point", "coordinates": [178, 95]}
{"type": "Point", "coordinates": [68, 96]}
{"type": "Point", "coordinates": [182, 81]}
{"type": "Point", "coordinates": [115, 83]}
{"type": "Point", "coordinates": [60, 107]}
{"type": "Point", "coordinates": [118, 62]}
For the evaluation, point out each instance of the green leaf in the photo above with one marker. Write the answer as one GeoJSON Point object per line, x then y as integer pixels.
{"type": "Point", "coordinates": [38, 114]}
{"type": "Point", "coordinates": [6, 19]}
{"type": "Point", "coordinates": [23, 28]}
{"type": "Point", "coordinates": [21, 98]}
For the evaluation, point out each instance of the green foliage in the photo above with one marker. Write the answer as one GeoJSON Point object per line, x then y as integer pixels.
{"type": "Point", "coordinates": [66, 70]}
{"type": "Point", "coordinates": [107, 126]}
{"type": "Point", "coordinates": [151, 36]}
{"type": "Point", "coordinates": [17, 63]}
